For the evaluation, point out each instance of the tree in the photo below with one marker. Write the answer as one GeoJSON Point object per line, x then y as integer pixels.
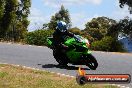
{"type": "Point", "coordinates": [125, 27]}
{"type": "Point", "coordinates": [100, 23]}
{"type": "Point", "coordinates": [2, 9]}
{"type": "Point", "coordinates": [22, 17]}
{"type": "Point", "coordinates": [62, 14]}
{"type": "Point", "coordinates": [108, 43]}
{"type": "Point", "coordinates": [96, 33]}
{"type": "Point", "coordinates": [126, 2]}
{"type": "Point", "coordinates": [2, 5]}
{"type": "Point", "coordinates": [9, 16]}
{"type": "Point", "coordinates": [98, 27]}
{"type": "Point", "coordinates": [14, 18]}
{"type": "Point", "coordinates": [53, 23]}
{"type": "Point", "coordinates": [92, 24]}
{"type": "Point", "coordinates": [45, 26]}
{"type": "Point", "coordinates": [75, 30]}
{"type": "Point", "coordinates": [113, 31]}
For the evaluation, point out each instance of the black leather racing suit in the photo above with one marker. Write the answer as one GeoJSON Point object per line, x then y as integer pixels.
{"type": "Point", "coordinates": [58, 39]}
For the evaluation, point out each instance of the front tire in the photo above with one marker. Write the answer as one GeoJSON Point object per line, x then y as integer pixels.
{"type": "Point", "coordinates": [91, 62]}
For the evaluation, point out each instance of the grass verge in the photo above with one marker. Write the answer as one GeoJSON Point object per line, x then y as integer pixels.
{"type": "Point", "coordinates": [19, 77]}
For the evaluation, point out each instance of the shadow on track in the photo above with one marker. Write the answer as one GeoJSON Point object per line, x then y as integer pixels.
{"type": "Point", "coordinates": [61, 67]}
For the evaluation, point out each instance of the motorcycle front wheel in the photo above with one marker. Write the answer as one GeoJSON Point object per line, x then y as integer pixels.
{"type": "Point", "coordinates": [91, 61]}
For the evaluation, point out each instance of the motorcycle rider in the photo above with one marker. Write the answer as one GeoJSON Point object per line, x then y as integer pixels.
{"type": "Point", "coordinates": [58, 36]}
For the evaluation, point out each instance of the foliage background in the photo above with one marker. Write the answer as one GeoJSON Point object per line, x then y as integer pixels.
{"type": "Point", "coordinates": [102, 32]}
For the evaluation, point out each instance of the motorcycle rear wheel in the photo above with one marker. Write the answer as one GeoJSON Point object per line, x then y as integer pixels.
{"type": "Point", "coordinates": [60, 58]}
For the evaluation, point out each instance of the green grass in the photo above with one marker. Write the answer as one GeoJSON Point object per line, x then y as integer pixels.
{"type": "Point", "coordinates": [19, 77]}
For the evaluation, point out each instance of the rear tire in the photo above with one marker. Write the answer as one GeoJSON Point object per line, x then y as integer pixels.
{"type": "Point", "coordinates": [91, 62]}
{"type": "Point", "coordinates": [60, 58]}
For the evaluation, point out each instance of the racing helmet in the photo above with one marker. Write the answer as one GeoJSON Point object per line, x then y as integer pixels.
{"type": "Point", "coordinates": [62, 26]}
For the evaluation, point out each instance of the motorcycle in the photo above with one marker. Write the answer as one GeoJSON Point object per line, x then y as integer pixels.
{"type": "Point", "coordinates": [78, 53]}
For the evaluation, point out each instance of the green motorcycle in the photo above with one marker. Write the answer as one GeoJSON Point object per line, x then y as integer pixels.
{"type": "Point", "coordinates": [78, 53]}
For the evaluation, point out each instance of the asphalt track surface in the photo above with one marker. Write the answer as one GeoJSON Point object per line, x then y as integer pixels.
{"type": "Point", "coordinates": [42, 58]}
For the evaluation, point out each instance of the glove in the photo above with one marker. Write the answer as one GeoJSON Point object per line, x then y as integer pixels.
{"type": "Point", "coordinates": [65, 47]}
